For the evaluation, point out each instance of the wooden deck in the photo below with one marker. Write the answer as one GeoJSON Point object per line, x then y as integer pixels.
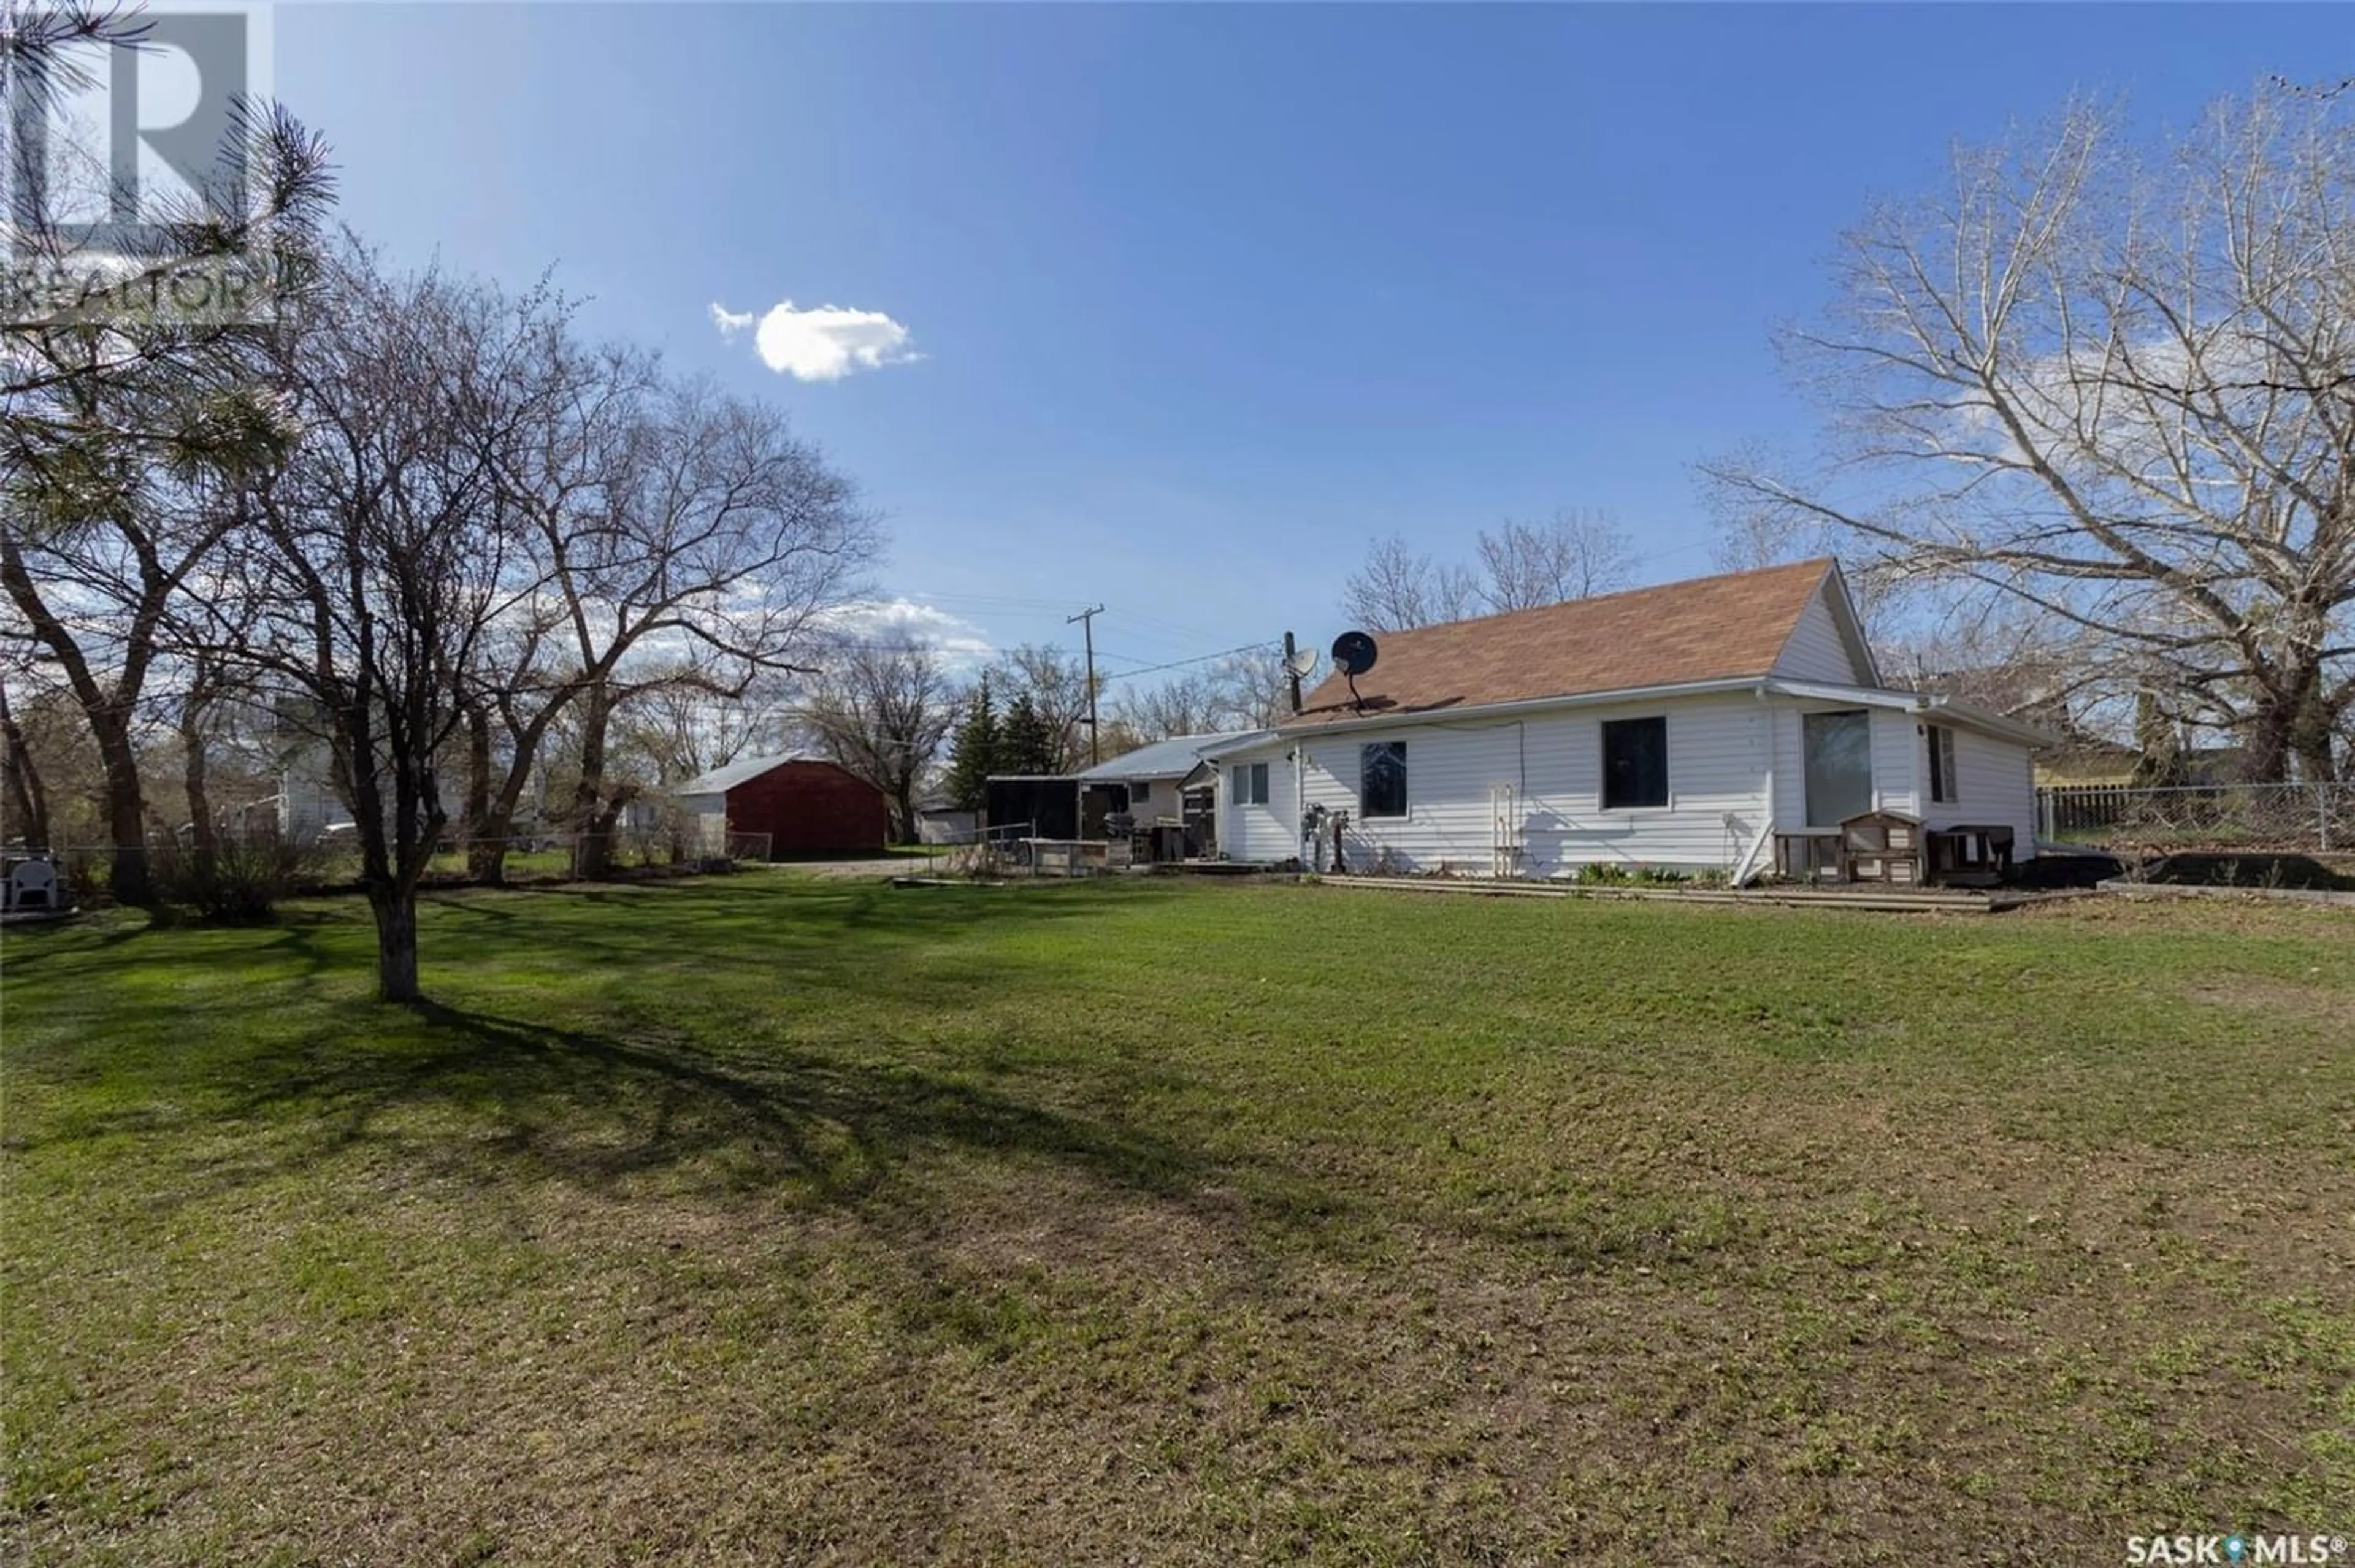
{"type": "Point", "coordinates": [1926, 900]}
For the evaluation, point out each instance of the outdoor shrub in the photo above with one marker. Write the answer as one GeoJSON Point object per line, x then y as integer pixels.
{"type": "Point", "coordinates": [240, 880]}
{"type": "Point", "coordinates": [83, 873]}
{"type": "Point", "coordinates": [1604, 873]}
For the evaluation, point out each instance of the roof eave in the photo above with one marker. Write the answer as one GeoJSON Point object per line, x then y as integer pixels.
{"type": "Point", "coordinates": [1994, 724]}
{"type": "Point", "coordinates": [1712, 687]}
{"type": "Point", "coordinates": [1924, 702]}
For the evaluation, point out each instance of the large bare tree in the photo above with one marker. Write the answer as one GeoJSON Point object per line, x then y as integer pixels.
{"type": "Point", "coordinates": [881, 711]}
{"type": "Point", "coordinates": [561, 471]}
{"type": "Point", "coordinates": [724, 542]}
{"type": "Point", "coordinates": [380, 553]}
{"type": "Point", "coordinates": [2116, 382]}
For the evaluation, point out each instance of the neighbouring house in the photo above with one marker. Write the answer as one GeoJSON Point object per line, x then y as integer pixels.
{"type": "Point", "coordinates": [307, 802]}
{"type": "Point", "coordinates": [804, 804]}
{"type": "Point", "coordinates": [1731, 723]}
{"type": "Point", "coordinates": [1167, 789]}
{"type": "Point", "coordinates": [940, 820]}
{"type": "Point", "coordinates": [1165, 786]}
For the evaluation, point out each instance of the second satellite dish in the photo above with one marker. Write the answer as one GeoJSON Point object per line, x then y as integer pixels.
{"type": "Point", "coordinates": [1353, 653]}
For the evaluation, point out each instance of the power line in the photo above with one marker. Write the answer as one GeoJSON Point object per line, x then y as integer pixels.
{"type": "Point", "coordinates": [1263, 645]}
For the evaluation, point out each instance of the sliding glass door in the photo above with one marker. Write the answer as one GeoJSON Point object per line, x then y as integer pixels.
{"type": "Point", "coordinates": [1840, 766]}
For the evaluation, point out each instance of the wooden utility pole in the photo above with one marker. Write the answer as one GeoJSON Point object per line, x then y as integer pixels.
{"type": "Point", "coordinates": [1087, 620]}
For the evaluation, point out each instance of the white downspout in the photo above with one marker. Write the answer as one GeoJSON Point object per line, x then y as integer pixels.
{"type": "Point", "coordinates": [1300, 804]}
{"type": "Point", "coordinates": [1747, 868]}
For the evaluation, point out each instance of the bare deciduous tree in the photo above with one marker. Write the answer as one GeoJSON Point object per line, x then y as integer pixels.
{"type": "Point", "coordinates": [28, 795]}
{"type": "Point", "coordinates": [559, 474]}
{"type": "Point", "coordinates": [1241, 691]}
{"type": "Point", "coordinates": [676, 727]}
{"type": "Point", "coordinates": [380, 556]}
{"type": "Point", "coordinates": [1575, 554]}
{"type": "Point", "coordinates": [881, 711]}
{"type": "Point", "coordinates": [2119, 385]}
{"type": "Point", "coordinates": [96, 564]}
{"type": "Point", "coordinates": [1056, 683]}
{"type": "Point", "coordinates": [724, 541]}
{"type": "Point", "coordinates": [1189, 704]}
{"type": "Point", "coordinates": [1398, 588]}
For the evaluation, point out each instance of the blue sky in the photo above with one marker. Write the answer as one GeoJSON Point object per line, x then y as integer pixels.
{"type": "Point", "coordinates": [1203, 297]}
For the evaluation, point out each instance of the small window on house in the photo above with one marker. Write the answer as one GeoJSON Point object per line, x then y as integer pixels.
{"type": "Point", "coordinates": [1139, 794]}
{"type": "Point", "coordinates": [1381, 779]}
{"type": "Point", "coordinates": [1250, 784]}
{"type": "Point", "coordinates": [1942, 765]}
{"type": "Point", "coordinates": [1635, 763]}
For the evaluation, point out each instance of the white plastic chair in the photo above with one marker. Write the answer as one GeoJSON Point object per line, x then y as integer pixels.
{"type": "Point", "coordinates": [33, 882]}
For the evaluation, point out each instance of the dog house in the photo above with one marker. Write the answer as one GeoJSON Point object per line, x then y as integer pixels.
{"type": "Point", "coordinates": [1881, 846]}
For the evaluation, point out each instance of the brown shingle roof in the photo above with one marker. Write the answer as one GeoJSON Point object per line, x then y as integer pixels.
{"type": "Point", "coordinates": [1711, 628]}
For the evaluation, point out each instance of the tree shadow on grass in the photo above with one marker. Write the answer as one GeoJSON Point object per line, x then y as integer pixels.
{"type": "Point", "coordinates": [629, 1096]}
{"type": "Point", "coordinates": [479, 1096]}
{"type": "Point", "coordinates": [842, 935]}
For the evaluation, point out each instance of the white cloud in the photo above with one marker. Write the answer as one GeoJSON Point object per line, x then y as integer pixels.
{"type": "Point", "coordinates": [824, 344]}
{"type": "Point", "coordinates": [903, 620]}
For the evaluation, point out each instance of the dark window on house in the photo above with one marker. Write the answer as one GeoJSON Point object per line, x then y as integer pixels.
{"type": "Point", "coordinates": [1635, 763]}
{"type": "Point", "coordinates": [1942, 765]}
{"type": "Point", "coordinates": [1838, 750]}
{"type": "Point", "coordinates": [1250, 785]}
{"type": "Point", "coordinates": [1381, 779]}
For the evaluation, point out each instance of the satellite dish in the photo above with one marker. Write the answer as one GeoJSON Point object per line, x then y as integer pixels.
{"type": "Point", "coordinates": [1353, 653]}
{"type": "Point", "coordinates": [1300, 664]}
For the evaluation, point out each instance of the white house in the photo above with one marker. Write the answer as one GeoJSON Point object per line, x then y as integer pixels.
{"type": "Point", "coordinates": [1164, 783]}
{"type": "Point", "coordinates": [1731, 722]}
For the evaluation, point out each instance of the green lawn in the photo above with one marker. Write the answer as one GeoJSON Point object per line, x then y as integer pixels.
{"type": "Point", "coordinates": [777, 1219]}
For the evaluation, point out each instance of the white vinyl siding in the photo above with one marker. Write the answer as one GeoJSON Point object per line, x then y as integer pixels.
{"type": "Point", "coordinates": [1249, 830]}
{"type": "Point", "coordinates": [1898, 781]}
{"type": "Point", "coordinates": [1996, 788]}
{"type": "Point", "coordinates": [1816, 651]}
{"type": "Point", "coordinates": [1717, 750]}
{"type": "Point", "coordinates": [1720, 751]}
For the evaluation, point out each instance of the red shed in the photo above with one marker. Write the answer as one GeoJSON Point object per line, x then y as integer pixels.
{"type": "Point", "coordinates": [805, 804]}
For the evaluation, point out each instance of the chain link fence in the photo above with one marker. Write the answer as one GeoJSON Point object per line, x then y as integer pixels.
{"type": "Point", "coordinates": [2302, 818]}
{"type": "Point", "coordinates": [1006, 849]}
{"type": "Point", "coordinates": [330, 860]}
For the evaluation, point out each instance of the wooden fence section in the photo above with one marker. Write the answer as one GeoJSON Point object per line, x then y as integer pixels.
{"type": "Point", "coordinates": [2312, 818]}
